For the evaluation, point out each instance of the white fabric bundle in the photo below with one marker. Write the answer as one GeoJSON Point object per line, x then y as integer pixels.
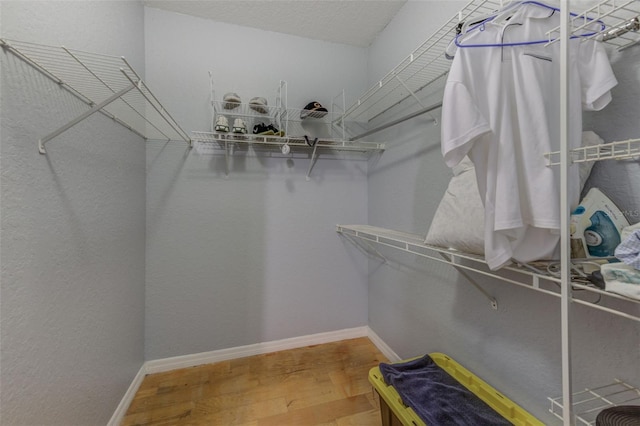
{"type": "Point", "coordinates": [459, 220]}
{"type": "Point", "coordinates": [629, 249]}
{"type": "Point", "coordinates": [621, 279]}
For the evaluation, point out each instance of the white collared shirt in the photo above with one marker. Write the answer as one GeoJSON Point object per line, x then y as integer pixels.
{"type": "Point", "coordinates": [501, 107]}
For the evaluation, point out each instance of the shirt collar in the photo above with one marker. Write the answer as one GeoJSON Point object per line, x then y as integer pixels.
{"type": "Point", "coordinates": [529, 11]}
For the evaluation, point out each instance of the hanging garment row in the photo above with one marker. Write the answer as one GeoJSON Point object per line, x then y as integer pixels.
{"type": "Point", "coordinates": [500, 108]}
{"type": "Point", "coordinates": [589, 27]}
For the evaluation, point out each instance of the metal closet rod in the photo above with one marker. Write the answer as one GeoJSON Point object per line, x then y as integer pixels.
{"type": "Point", "coordinates": [631, 25]}
{"type": "Point", "coordinates": [398, 121]}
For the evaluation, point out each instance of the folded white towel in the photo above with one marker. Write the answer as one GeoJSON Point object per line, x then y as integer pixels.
{"type": "Point", "coordinates": [621, 279]}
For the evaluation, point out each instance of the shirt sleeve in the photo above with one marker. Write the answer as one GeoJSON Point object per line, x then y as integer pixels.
{"type": "Point", "coordinates": [462, 122]}
{"type": "Point", "coordinates": [597, 78]}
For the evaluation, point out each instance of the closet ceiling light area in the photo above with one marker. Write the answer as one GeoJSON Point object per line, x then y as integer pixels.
{"type": "Point", "coordinates": [354, 23]}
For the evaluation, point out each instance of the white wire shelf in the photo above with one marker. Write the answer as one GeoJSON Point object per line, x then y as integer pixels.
{"type": "Point", "coordinates": [107, 84]}
{"type": "Point", "coordinates": [422, 67]}
{"type": "Point", "coordinates": [589, 402]}
{"type": "Point", "coordinates": [610, 151]}
{"type": "Point", "coordinates": [527, 276]}
{"type": "Point", "coordinates": [428, 62]}
{"type": "Point", "coordinates": [220, 139]}
{"type": "Point", "coordinates": [210, 142]}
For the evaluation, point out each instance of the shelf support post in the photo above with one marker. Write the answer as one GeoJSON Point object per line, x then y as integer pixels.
{"type": "Point", "coordinates": [568, 417]}
{"type": "Point", "coordinates": [81, 117]}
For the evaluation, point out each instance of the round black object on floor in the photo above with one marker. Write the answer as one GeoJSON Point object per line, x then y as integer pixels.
{"type": "Point", "coordinates": [623, 415]}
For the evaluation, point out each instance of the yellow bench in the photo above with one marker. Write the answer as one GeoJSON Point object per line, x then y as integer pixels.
{"type": "Point", "coordinates": [395, 413]}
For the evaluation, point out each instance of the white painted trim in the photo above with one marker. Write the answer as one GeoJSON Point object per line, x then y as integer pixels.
{"type": "Point", "coordinates": [167, 364]}
{"type": "Point", "coordinates": [121, 410]}
{"type": "Point", "coordinates": [382, 346]}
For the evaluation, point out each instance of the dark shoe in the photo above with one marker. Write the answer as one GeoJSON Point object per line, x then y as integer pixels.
{"type": "Point", "coordinates": [275, 131]}
{"type": "Point", "coordinates": [261, 129]}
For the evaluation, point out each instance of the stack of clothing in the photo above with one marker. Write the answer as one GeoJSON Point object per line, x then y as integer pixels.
{"type": "Point", "coordinates": [624, 277]}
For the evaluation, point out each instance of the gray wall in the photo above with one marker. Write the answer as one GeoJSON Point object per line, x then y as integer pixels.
{"type": "Point", "coordinates": [253, 257]}
{"type": "Point", "coordinates": [73, 230]}
{"type": "Point", "coordinates": [419, 306]}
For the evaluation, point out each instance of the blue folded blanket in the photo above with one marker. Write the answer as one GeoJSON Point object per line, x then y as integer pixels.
{"type": "Point", "coordinates": [437, 397]}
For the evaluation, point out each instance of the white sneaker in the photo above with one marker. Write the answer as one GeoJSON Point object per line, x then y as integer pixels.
{"type": "Point", "coordinates": [239, 126]}
{"type": "Point", "coordinates": [259, 104]}
{"type": "Point", "coordinates": [222, 124]}
{"type": "Point", "coordinates": [230, 100]}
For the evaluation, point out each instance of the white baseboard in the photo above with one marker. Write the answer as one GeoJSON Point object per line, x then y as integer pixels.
{"type": "Point", "coordinates": [167, 364]}
{"type": "Point", "coordinates": [173, 363]}
{"type": "Point", "coordinates": [121, 410]}
{"type": "Point", "coordinates": [382, 346]}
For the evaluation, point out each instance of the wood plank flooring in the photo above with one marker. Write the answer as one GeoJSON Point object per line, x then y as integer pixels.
{"type": "Point", "coordinates": [316, 385]}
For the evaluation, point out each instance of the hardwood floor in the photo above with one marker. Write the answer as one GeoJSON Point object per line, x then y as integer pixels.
{"type": "Point", "coordinates": [316, 385]}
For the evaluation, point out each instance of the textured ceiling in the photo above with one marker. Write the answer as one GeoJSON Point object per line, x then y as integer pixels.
{"type": "Point", "coordinates": [353, 22]}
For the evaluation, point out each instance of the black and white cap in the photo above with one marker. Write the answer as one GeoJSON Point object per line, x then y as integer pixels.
{"type": "Point", "coordinates": [313, 109]}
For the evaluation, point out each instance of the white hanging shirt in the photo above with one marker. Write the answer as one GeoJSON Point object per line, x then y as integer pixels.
{"type": "Point", "coordinates": [501, 107]}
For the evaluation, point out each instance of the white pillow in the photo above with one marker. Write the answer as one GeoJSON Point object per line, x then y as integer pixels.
{"type": "Point", "coordinates": [459, 219]}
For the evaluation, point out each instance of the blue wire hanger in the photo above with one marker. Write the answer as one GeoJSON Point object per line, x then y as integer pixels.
{"type": "Point", "coordinates": [503, 13]}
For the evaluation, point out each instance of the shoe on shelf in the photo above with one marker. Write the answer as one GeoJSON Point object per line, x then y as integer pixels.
{"type": "Point", "coordinates": [222, 124]}
{"type": "Point", "coordinates": [239, 126]}
{"type": "Point", "coordinates": [313, 109]}
{"type": "Point", "coordinates": [230, 100]}
{"type": "Point", "coordinates": [261, 129]}
{"type": "Point", "coordinates": [259, 104]}
{"type": "Point", "coordinates": [275, 131]}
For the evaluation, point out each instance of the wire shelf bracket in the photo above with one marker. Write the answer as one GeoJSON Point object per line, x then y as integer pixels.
{"type": "Point", "coordinates": [525, 276]}
{"type": "Point", "coordinates": [107, 84]}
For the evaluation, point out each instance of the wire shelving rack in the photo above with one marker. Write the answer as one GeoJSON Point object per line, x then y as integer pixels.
{"type": "Point", "coordinates": [106, 84]}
